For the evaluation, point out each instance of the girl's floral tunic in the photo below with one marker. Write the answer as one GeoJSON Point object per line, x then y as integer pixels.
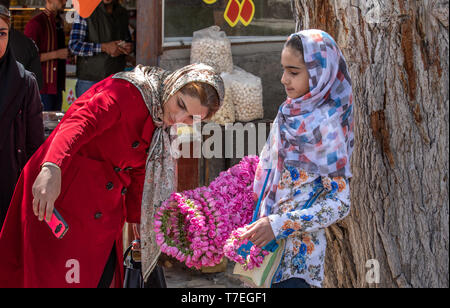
{"type": "Point", "coordinates": [313, 203]}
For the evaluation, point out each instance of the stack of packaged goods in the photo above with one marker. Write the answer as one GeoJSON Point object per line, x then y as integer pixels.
{"type": "Point", "coordinates": [212, 47]}
{"type": "Point", "coordinates": [247, 93]}
{"type": "Point", "coordinates": [243, 91]}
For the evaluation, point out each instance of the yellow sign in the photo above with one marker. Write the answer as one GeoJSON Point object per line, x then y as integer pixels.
{"type": "Point", "coordinates": [69, 94]}
{"type": "Point", "coordinates": [237, 10]}
{"type": "Point", "coordinates": [247, 12]}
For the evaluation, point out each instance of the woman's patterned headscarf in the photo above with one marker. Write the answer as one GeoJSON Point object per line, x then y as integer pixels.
{"type": "Point", "coordinates": [313, 132]}
{"type": "Point", "coordinates": [157, 86]}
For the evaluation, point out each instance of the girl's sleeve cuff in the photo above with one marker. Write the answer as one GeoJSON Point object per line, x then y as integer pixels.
{"type": "Point", "coordinates": [276, 222]}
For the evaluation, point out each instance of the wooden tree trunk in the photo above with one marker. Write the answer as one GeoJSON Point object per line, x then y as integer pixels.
{"type": "Point", "coordinates": [397, 52]}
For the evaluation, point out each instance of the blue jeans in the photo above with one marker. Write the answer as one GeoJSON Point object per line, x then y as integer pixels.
{"type": "Point", "coordinates": [83, 86]}
{"type": "Point", "coordinates": [293, 283]}
{"type": "Point", "coordinates": [52, 102]}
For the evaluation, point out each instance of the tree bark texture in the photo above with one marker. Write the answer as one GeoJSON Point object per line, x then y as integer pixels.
{"type": "Point", "coordinates": [397, 51]}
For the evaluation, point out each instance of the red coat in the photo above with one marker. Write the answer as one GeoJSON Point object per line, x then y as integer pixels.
{"type": "Point", "coordinates": [101, 146]}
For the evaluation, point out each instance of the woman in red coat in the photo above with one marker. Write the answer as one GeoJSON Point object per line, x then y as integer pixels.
{"type": "Point", "coordinates": [107, 162]}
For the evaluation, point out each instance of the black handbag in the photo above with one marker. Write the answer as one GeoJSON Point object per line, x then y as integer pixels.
{"type": "Point", "coordinates": [133, 274]}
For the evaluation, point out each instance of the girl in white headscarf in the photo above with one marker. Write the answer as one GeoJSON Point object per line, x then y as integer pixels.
{"type": "Point", "coordinates": [306, 160]}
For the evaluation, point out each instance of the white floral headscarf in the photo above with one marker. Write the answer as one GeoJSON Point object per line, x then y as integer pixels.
{"type": "Point", "coordinates": [313, 132]}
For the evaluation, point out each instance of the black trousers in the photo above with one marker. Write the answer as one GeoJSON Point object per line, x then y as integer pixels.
{"type": "Point", "coordinates": [110, 269]}
{"type": "Point", "coordinates": [292, 283]}
{"type": "Point", "coordinates": [156, 279]}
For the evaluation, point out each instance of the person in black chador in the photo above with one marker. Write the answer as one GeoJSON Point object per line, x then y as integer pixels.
{"type": "Point", "coordinates": [21, 125]}
{"type": "Point", "coordinates": [25, 50]}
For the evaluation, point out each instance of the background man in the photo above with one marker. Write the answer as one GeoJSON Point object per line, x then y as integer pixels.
{"type": "Point", "coordinates": [100, 43]}
{"type": "Point", "coordinates": [46, 30]}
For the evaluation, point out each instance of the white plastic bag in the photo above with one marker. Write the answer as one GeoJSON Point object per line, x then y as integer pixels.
{"type": "Point", "coordinates": [212, 47]}
{"type": "Point", "coordinates": [226, 113]}
{"type": "Point", "coordinates": [247, 96]}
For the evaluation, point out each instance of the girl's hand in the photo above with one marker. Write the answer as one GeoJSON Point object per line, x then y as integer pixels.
{"type": "Point", "coordinates": [260, 232]}
{"type": "Point", "coordinates": [46, 190]}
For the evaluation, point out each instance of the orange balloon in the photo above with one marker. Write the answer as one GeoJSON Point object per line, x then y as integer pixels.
{"type": "Point", "coordinates": [85, 8]}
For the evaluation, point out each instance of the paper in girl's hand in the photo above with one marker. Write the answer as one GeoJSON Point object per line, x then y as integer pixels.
{"type": "Point", "coordinates": [244, 249]}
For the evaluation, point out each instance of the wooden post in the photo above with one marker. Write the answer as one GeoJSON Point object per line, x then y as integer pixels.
{"type": "Point", "coordinates": [149, 32]}
{"type": "Point", "coordinates": [148, 50]}
{"type": "Point", "coordinates": [188, 172]}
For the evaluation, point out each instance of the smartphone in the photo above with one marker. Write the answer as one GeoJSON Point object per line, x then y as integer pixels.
{"type": "Point", "coordinates": [58, 225]}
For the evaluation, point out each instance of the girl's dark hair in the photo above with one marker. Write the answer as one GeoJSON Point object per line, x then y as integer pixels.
{"type": "Point", "coordinates": [206, 93]}
{"type": "Point", "coordinates": [295, 42]}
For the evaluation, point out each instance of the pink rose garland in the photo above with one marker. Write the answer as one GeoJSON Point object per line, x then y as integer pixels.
{"type": "Point", "coordinates": [195, 227]}
{"type": "Point", "coordinates": [255, 255]}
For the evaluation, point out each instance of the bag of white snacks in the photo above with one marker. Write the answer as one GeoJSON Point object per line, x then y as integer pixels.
{"type": "Point", "coordinates": [212, 47]}
{"type": "Point", "coordinates": [226, 113]}
{"type": "Point", "coordinates": [247, 96]}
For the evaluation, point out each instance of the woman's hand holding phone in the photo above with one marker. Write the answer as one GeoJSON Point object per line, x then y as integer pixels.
{"type": "Point", "coordinates": [46, 190]}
